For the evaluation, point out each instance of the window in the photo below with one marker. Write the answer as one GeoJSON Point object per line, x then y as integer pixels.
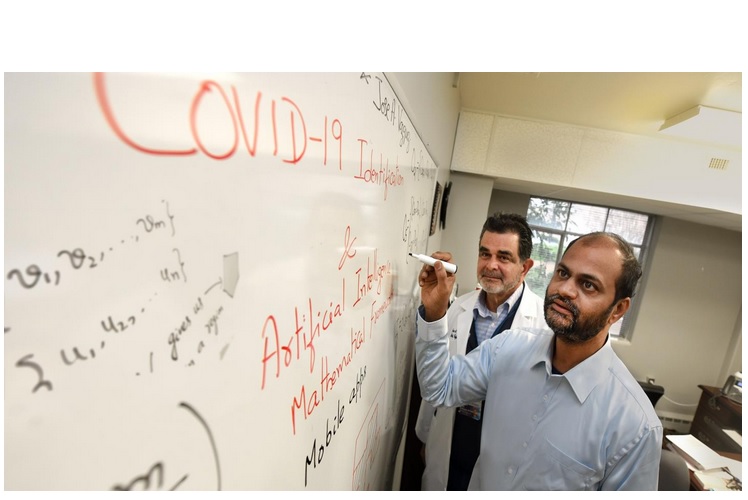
{"type": "Point", "coordinates": [555, 223]}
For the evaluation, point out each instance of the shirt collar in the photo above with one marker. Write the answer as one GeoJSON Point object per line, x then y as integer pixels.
{"type": "Point", "coordinates": [586, 375]}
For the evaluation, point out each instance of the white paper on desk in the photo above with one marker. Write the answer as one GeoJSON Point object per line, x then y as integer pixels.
{"type": "Point", "coordinates": [714, 480]}
{"type": "Point", "coordinates": [736, 468]}
{"type": "Point", "coordinates": [734, 435]}
{"type": "Point", "coordinates": [697, 453]}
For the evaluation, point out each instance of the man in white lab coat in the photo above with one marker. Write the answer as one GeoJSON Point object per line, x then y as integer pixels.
{"type": "Point", "coordinates": [503, 301]}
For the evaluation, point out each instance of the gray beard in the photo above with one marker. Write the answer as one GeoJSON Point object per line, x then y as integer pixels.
{"type": "Point", "coordinates": [503, 288]}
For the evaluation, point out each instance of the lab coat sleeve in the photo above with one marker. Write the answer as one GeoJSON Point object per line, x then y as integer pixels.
{"type": "Point", "coordinates": [425, 418]}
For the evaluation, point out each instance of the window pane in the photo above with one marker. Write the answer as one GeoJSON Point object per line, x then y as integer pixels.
{"type": "Point", "coordinates": [567, 240]}
{"type": "Point", "coordinates": [585, 219]}
{"type": "Point", "coordinates": [548, 213]}
{"type": "Point", "coordinates": [544, 254]}
{"type": "Point", "coordinates": [628, 225]}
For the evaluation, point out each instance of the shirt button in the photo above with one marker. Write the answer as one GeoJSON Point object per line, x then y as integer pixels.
{"type": "Point", "coordinates": [534, 418]}
{"type": "Point", "coordinates": [524, 445]}
{"type": "Point", "coordinates": [545, 398]}
{"type": "Point", "coordinates": [510, 470]}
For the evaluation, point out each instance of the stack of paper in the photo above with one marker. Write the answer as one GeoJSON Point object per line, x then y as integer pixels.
{"type": "Point", "coordinates": [711, 470]}
{"type": "Point", "coordinates": [716, 480]}
{"type": "Point", "coordinates": [696, 453]}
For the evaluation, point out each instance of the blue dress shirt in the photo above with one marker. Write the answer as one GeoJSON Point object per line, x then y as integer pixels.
{"type": "Point", "coordinates": [591, 428]}
{"type": "Point", "coordinates": [486, 320]}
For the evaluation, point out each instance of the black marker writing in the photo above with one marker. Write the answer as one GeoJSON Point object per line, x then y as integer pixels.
{"type": "Point", "coordinates": [210, 438]}
{"type": "Point", "coordinates": [25, 361]}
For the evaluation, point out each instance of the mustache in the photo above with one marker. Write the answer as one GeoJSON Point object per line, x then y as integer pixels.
{"type": "Point", "coordinates": [492, 275]}
{"type": "Point", "coordinates": [567, 303]}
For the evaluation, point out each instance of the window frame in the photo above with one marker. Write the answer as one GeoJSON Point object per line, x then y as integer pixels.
{"type": "Point", "coordinates": [566, 236]}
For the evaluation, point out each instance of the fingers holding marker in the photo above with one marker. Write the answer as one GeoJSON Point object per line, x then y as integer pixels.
{"type": "Point", "coordinates": [448, 266]}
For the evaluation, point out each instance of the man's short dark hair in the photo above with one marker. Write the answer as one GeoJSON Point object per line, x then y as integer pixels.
{"type": "Point", "coordinates": [511, 223]}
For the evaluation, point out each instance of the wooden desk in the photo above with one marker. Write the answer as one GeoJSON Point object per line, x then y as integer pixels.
{"type": "Point", "coordinates": [714, 414]}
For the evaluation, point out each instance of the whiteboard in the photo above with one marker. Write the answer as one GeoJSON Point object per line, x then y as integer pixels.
{"type": "Point", "coordinates": [206, 282]}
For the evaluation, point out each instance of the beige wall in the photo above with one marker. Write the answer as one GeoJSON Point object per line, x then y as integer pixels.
{"type": "Point", "coordinates": [689, 307]}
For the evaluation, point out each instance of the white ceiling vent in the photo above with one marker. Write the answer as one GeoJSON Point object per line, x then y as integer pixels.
{"type": "Point", "coordinates": [718, 163]}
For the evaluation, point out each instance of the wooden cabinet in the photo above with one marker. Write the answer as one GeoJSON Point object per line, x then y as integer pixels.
{"type": "Point", "coordinates": [714, 414]}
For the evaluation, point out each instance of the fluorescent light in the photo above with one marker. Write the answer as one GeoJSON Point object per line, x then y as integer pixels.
{"type": "Point", "coordinates": [706, 124]}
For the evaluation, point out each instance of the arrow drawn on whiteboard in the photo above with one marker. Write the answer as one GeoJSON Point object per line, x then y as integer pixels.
{"type": "Point", "coordinates": [230, 275]}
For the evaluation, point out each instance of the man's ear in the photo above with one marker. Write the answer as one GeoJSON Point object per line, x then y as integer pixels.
{"type": "Point", "coordinates": [619, 310]}
{"type": "Point", "coordinates": [526, 266]}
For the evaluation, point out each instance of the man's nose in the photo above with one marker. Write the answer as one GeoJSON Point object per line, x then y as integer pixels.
{"type": "Point", "coordinates": [567, 288]}
{"type": "Point", "coordinates": [493, 263]}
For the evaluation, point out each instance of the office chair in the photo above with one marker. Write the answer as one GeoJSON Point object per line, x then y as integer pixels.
{"type": "Point", "coordinates": [654, 392]}
{"type": "Point", "coordinates": [673, 472]}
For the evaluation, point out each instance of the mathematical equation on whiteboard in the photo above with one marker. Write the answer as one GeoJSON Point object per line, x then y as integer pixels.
{"type": "Point", "coordinates": [78, 260]}
{"type": "Point", "coordinates": [289, 337]}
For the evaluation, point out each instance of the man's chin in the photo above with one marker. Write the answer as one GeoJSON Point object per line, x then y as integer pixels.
{"type": "Point", "coordinates": [558, 321]}
{"type": "Point", "coordinates": [565, 339]}
{"type": "Point", "coordinates": [492, 287]}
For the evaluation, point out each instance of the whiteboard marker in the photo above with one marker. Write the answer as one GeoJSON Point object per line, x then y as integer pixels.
{"type": "Point", "coordinates": [448, 266]}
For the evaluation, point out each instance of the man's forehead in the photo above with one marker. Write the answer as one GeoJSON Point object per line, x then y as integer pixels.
{"type": "Point", "coordinates": [602, 242]}
{"type": "Point", "coordinates": [594, 256]}
{"type": "Point", "coordinates": [507, 238]}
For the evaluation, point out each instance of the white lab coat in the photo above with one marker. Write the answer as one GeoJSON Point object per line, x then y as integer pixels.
{"type": "Point", "coordinates": [435, 427]}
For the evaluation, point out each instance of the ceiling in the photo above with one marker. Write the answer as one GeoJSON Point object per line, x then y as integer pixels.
{"type": "Point", "coordinates": [636, 103]}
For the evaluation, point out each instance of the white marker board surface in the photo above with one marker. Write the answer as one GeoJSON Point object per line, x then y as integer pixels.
{"type": "Point", "coordinates": [206, 280]}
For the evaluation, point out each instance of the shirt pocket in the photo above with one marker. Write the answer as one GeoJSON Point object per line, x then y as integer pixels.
{"type": "Point", "coordinates": [552, 469]}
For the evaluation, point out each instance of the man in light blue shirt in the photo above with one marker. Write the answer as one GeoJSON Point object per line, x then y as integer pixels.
{"type": "Point", "coordinates": [561, 411]}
